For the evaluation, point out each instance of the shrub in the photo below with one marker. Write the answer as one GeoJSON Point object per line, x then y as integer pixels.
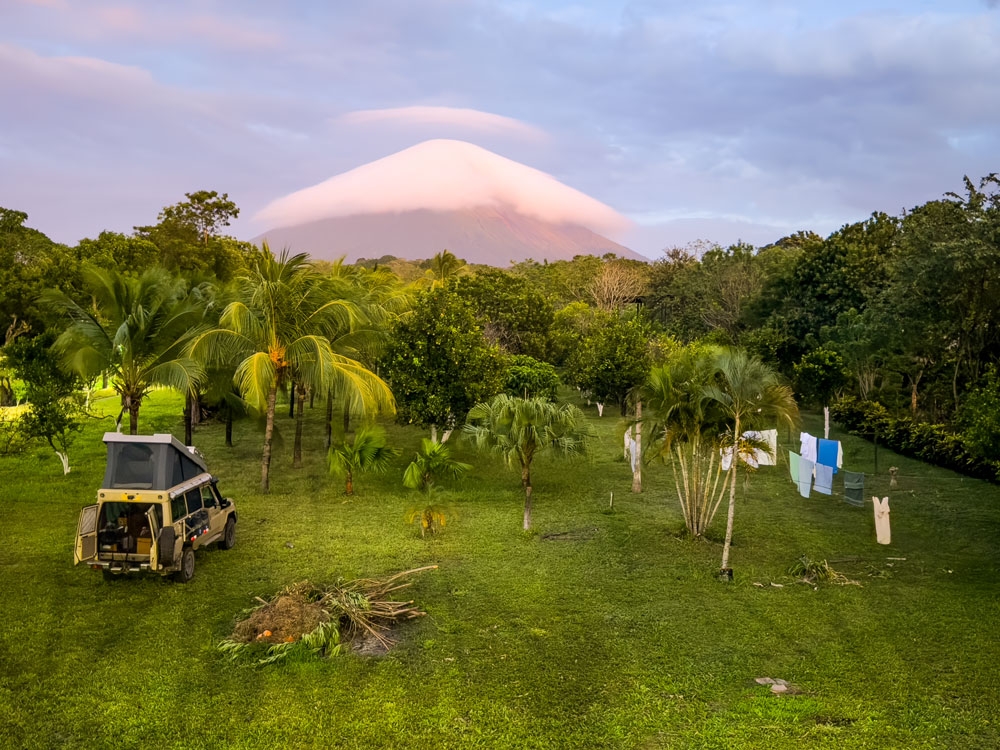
{"type": "Point", "coordinates": [936, 444]}
{"type": "Point", "coordinates": [527, 377]}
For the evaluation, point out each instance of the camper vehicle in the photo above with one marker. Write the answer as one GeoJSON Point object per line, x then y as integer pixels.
{"type": "Point", "coordinates": [157, 505]}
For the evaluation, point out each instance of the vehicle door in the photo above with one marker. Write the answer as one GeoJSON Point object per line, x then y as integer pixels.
{"type": "Point", "coordinates": [154, 530]}
{"type": "Point", "coordinates": [85, 549]}
{"type": "Point", "coordinates": [217, 517]}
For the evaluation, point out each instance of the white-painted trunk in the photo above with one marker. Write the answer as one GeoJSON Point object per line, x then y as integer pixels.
{"type": "Point", "coordinates": [445, 435]}
{"type": "Point", "coordinates": [600, 410]}
{"type": "Point", "coordinates": [434, 433]}
{"type": "Point", "coordinates": [826, 422]}
{"type": "Point", "coordinates": [637, 459]}
{"type": "Point", "coordinates": [64, 460]}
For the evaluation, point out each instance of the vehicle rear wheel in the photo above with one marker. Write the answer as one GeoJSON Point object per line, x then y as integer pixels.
{"type": "Point", "coordinates": [186, 573]}
{"type": "Point", "coordinates": [228, 534]}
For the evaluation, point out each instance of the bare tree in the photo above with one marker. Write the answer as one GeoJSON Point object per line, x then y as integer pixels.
{"type": "Point", "coordinates": [618, 283]}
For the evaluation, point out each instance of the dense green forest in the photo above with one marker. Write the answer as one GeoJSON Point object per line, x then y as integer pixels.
{"type": "Point", "coordinates": [894, 322]}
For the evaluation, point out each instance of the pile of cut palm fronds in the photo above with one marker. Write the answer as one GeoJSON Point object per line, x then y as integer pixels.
{"type": "Point", "coordinates": [307, 619]}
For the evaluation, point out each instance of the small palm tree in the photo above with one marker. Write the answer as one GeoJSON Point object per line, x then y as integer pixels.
{"type": "Point", "coordinates": [137, 332]}
{"type": "Point", "coordinates": [685, 425]}
{"type": "Point", "coordinates": [750, 395]}
{"type": "Point", "coordinates": [368, 452]}
{"type": "Point", "coordinates": [444, 267]}
{"type": "Point", "coordinates": [432, 461]}
{"type": "Point", "coordinates": [518, 429]}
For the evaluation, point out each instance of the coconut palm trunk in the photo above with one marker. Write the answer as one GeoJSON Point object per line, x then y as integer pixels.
{"type": "Point", "coordinates": [300, 397]}
{"type": "Point", "coordinates": [526, 484]}
{"type": "Point", "coordinates": [328, 428]}
{"type": "Point", "coordinates": [229, 427]}
{"type": "Point", "coordinates": [133, 414]}
{"type": "Point", "coordinates": [265, 459]}
{"type": "Point", "coordinates": [731, 514]}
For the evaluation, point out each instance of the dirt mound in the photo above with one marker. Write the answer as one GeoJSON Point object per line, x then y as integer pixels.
{"type": "Point", "coordinates": [287, 618]}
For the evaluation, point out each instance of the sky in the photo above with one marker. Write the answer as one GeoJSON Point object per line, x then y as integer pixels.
{"type": "Point", "coordinates": [713, 120]}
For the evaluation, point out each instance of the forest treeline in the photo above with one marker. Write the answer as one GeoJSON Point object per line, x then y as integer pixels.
{"type": "Point", "coordinates": [893, 317]}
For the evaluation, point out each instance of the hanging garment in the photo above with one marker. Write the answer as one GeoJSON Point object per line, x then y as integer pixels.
{"type": "Point", "coordinates": [769, 457]}
{"type": "Point", "coordinates": [750, 456]}
{"type": "Point", "coordinates": [882, 532]}
{"type": "Point", "coordinates": [824, 479]}
{"type": "Point", "coordinates": [793, 465]}
{"type": "Point", "coordinates": [628, 440]}
{"type": "Point", "coordinates": [805, 476]}
{"type": "Point", "coordinates": [759, 455]}
{"type": "Point", "coordinates": [840, 455]}
{"type": "Point", "coordinates": [808, 446]}
{"type": "Point", "coordinates": [826, 453]}
{"type": "Point", "coordinates": [633, 453]}
{"type": "Point", "coordinates": [727, 457]}
{"type": "Point", "coordinates": [854, 488]}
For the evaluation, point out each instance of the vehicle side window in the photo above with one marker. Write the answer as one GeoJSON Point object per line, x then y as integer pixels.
{"type": "Point", "coordinates": [208, 496]}
{"type": "Point", "coordinates": [193, 500]}
{"type": "Point", "coordinates": [178, 508]}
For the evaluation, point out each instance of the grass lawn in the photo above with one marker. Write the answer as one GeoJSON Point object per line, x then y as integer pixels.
{"type": "Point", "coordinates": [619, 637]}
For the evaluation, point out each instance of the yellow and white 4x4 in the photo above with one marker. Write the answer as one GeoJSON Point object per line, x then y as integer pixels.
{"type": "Point", "coordinates": [158, 503]}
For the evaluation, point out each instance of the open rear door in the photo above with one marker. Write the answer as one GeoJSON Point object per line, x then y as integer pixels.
{"type": "Point", "coordinates": [85, 549]}
{"type": "Point", "coordinates": [154, 531]}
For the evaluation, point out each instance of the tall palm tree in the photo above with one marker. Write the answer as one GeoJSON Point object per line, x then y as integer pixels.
{"type": "Point", "coordinates": [685, 425]}
{"type": "Point", "coordinates": [518, 429]}
{"type": "Point", "coordinates": [750, 395]}
{"type": "Point", "coordinates": [137, 331]}
{"type": "Point", "coordinates": [277, 330]}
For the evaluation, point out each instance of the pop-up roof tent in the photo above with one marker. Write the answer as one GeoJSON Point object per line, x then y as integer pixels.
{"type": "Point", "coordinates": [149, 462]}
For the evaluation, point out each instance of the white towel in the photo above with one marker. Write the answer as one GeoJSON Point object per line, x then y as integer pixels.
{"type": "Point", "coordinates": [808, 447]}
{"type": "Point", "coordinates": [770, 456]}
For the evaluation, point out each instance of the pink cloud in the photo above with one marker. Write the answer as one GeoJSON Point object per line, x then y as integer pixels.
{"type": "Point", "coordinates": [444, 175]}
{"type": "Point", "coordinates": [462, 117]}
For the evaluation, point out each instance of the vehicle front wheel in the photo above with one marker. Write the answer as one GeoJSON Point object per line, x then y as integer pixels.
{"type": "Point", "coordinates": [228, 534]}
{"type": "Point", "coordinates": [186, 573]}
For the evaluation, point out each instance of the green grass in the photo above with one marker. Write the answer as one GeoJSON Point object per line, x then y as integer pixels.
{"type": "Point", "coordinates": [623, 639]}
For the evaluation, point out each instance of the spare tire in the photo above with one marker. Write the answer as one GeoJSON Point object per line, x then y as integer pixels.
{"type": "Point", "coordinates": [165, 543]}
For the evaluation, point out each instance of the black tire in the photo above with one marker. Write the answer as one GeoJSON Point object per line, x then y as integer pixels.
{"type": "Point", "coordinates": [228, 540]}
{"type": "Point", "coordinates": [186, 573]}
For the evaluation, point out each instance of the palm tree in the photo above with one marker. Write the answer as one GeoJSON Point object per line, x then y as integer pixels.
{"type": "Point", "coordinates": [518, 429]}
{"type": "Point", "coordinates": [137, 332]}
{"type": "Point", "coordinates": [432, 461]}
{"type": "Point", "coordinates": [368, 452]}
{"type": "Point", "coordinates": [685, 425]}
{"type": "Point", "coordinates": [750, 395]}
{"type": "Point", "coordinates": [277, 331]}
{"type": "Point", "coordinates": [444, 267]}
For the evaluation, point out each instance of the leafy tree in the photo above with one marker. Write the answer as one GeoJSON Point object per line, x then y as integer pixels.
{"type": "Point", "coordinates": [368, 452]}
{"type": "Point", "coordinates": [516, 430]}
{"type": "Point", "coordinates": [616, 361]}
{"type": "Point", "coordinates": [527, 377]}
{"type": "Point", "coordinates": [432, 462]}
{"type": "Point", "coordinates": [980, 417]}
{"type": "Point", "coordinates": [205, 211]}
{"type": "Point", "coordinates": [277, 331]}
{"type": "Point", "coordinates": [438, 363]}
{"type": "Point", "coordinates": [119, 252]}
{"type": "Point", "coordinates": [750, 395]}
{"type": "Point", "coordinates": [512, 313]}
{"type": "Point", "coordinates": [137, 331]}
{"type": "Point", "coordinates": [818, 376]}
{"type": "Point", "coordinates": [55, 406]}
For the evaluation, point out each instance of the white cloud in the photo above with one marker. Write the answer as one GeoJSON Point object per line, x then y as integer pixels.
{"type": "Point", "coordinates": [443, 175]}
{"type": "Point", "coordinates": [471, 119]}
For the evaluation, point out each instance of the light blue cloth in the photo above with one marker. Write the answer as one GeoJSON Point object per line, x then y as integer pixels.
{"type": "Point", "coordinates": [805, 476]}
{"type": "Point", "coordinates": [826, 453]}
{"type": "Point", "coordinates": [824, 479]}
{"type": "Point", "coordinates": [793, 465]}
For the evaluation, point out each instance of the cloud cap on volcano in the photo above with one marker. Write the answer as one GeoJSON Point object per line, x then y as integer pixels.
{"type": "Point", "coordinates": [443, 175]}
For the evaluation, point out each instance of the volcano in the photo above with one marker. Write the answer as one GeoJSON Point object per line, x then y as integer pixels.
{"type": "Point", "coordinates": [443, 195]}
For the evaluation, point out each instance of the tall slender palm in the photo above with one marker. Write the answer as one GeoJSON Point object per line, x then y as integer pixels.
{"type": "Point", "coordinates": [750, 395]}
{"type": "Point", "coordinates": [518, 429]}
{"type": "Point", "coordinates": [137, 331]}
{"type": "Point", "coordinates": [444, 267]}
{"type": "Point", "coordinates": [277, 329]}
{"type": "Point", "coordinates": [685, 425]}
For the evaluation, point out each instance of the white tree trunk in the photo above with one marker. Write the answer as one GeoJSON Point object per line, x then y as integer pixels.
{"type": "Point", "coordinates": [434, 433]}
{"type": "Point", "coordinates": [64, 459]}
{"type": "Point", "coordinates": [600, 410]}
{"type": "Point", "coordinates": [637, 471]}
{"type": "Point", "coordinates": [826, 422]}
{"type": "Point", "coordinates": [445, 435]}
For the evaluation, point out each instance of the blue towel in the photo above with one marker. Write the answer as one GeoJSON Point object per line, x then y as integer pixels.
{"type": "Point", "coordinates": [824, 479]}
{"type": "Point", "coordinates": [826, 453]}
{"type": "Point", "coordinates": [805, 476]}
